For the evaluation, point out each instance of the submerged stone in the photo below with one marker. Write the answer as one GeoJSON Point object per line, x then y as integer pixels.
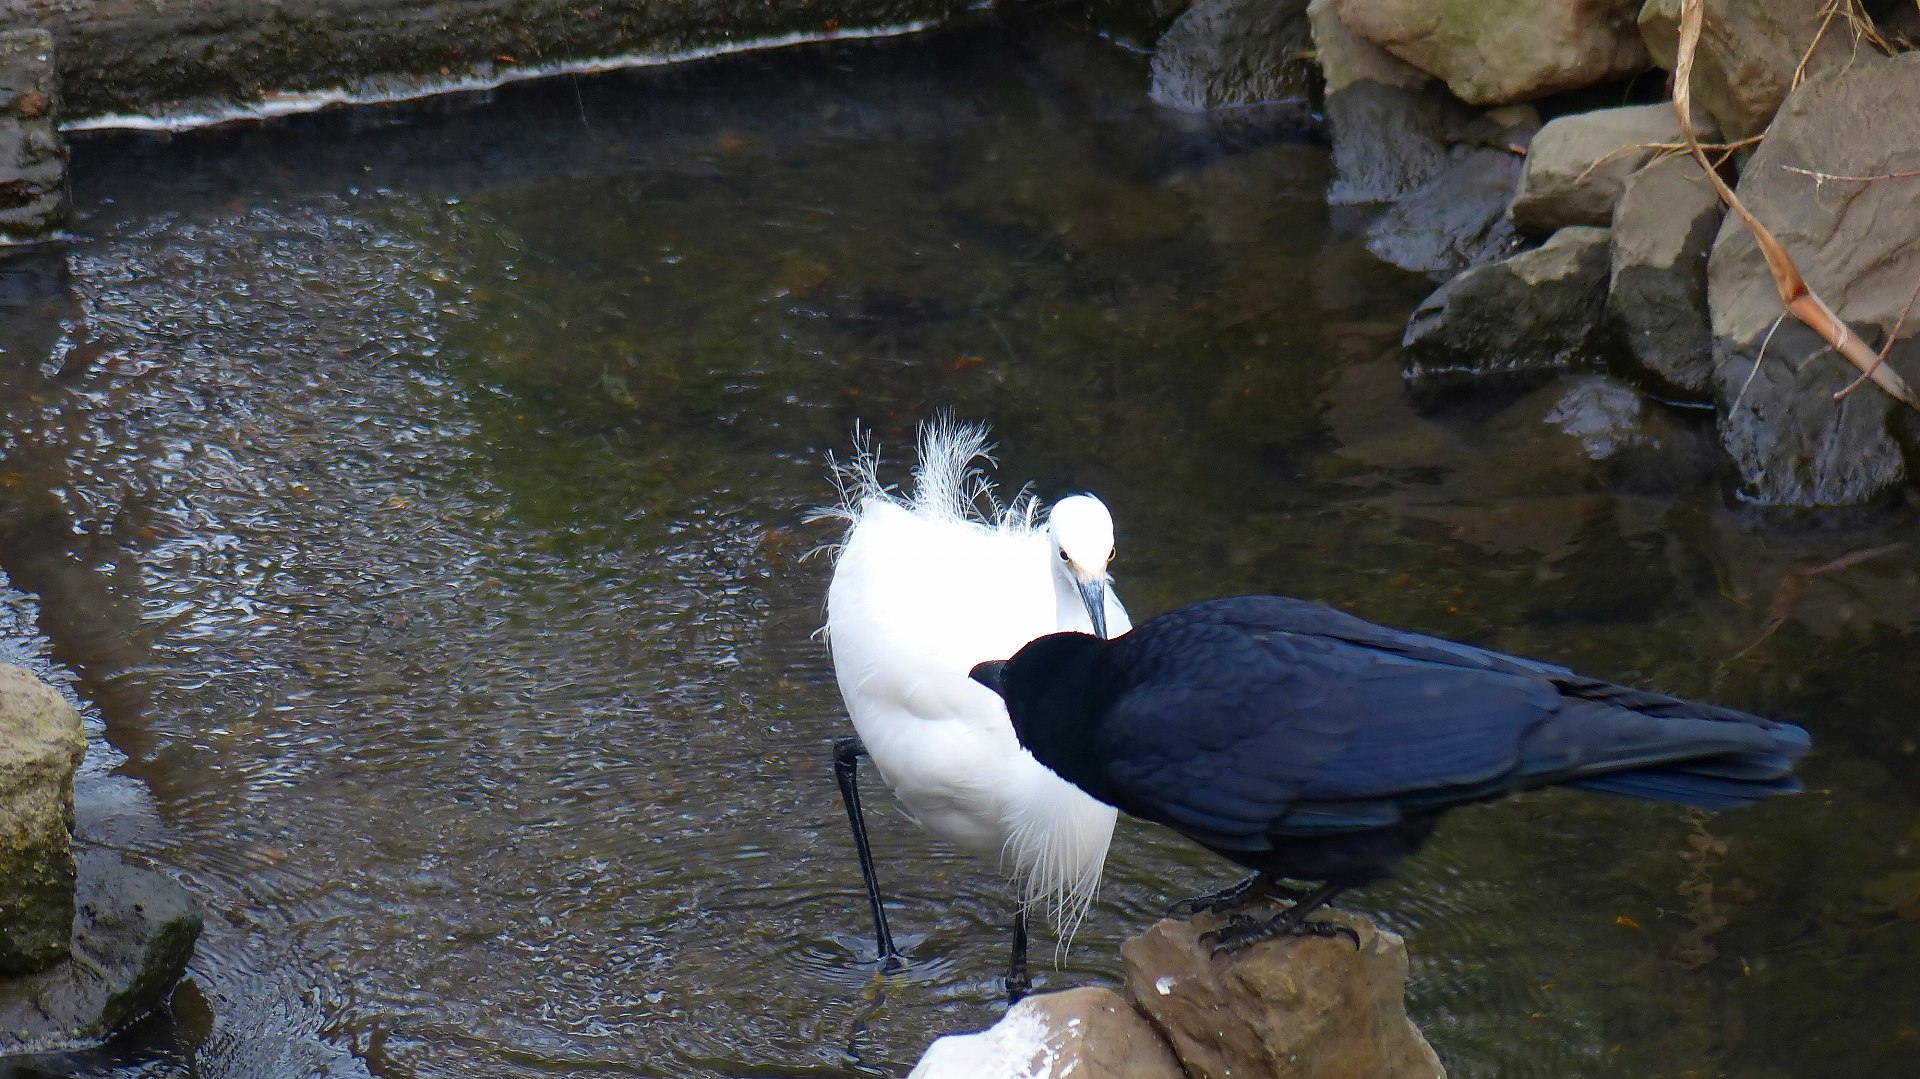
{"type": "Point", "coordinates": [1137, 23]}
{"type": "Point", "coordinates": [133, 933]}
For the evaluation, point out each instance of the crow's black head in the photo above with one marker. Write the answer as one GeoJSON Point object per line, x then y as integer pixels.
{"type": "Point", "coordinates": [1054, 696]}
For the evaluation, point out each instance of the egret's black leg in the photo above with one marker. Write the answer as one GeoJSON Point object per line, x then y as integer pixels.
{"type": "Point", "coordinates": [1018, 984]}
{"type": "Point", "coordinates": [1235, 896]}
{"type": "Point", "coordinates": [1290, 922]}
{"type": "Point", "coordinates": [846, 769]}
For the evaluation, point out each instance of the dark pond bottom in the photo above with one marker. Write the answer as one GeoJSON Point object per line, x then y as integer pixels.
{"type": "Point", "coordinates": [417, 494]}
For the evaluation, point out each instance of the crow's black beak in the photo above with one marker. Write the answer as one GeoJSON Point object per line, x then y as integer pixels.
{"type": "Point", "coordinates": [990, 674]}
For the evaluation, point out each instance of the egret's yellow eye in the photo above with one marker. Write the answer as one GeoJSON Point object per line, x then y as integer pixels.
{"type": "Point", "coordinates": [1063, 556]}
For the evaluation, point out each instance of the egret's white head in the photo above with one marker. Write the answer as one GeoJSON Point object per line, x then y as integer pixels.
{"type": "Point", "coordinates": [1081, 530]}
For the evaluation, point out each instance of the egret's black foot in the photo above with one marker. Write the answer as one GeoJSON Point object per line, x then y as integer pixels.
{"type": "Point", "coordinates": [1018, 986]}
{"type": "Point", "coordinates": [1018, 983]}
{"type": "Point", "coordinates": [1236, 895]}
{"type": "Point", "coordinates": [1242, 933]}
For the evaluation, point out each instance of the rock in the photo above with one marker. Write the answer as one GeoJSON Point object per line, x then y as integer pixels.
{"type": "Point", "coordinates": [1087, 1032]}
{"type": "Point", "coordinates": [1577, 166]}
{"type": "Point", "coordinates": [33, 156]}
{"type": "Point", "coordinates": [132, 936]}
{"type": "Point", "coordinates": [1748, 52]}
{"type": "Point", "coordinates": [1858, 246]}
{"type": "Point", "coordinates": [41, 743]}
{"type": "Point", "coordinates": [1137, 23]}
{"type": "Point", "coordinates": [1536, 312]}
{"type": "Point", "coordinates": [1346, 58]}
{"type": "Point", "coordinates": [1663, 230]}
{"type": "Point", "coordinates": [1497, 52]}
{"type": "Point", "coordinates": [1455, 220]}
{"type": "Point", "coordinates": [1293, 1007]}
{"type": "Point", "coordinates": [1226, 53]}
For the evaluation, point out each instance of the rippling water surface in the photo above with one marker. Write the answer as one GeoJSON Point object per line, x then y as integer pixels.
{"type": "Point", "coordinates": [417, 496]}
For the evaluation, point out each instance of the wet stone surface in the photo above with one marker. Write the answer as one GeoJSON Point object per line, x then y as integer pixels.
{"type": "Point", "coordinates": [133, 932]}
{"type": "Point", "coordinates": [33, 157]}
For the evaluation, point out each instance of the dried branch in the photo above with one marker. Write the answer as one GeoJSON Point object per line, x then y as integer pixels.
{"type": "Point", "coordinates": [1823, 177]}
{"type": "Point", "coordinates": [1806, 306]}
{"type": "Point", "coordinates": [1898, 325]}
{"type": "Point", "coordinates": [1661, 149]}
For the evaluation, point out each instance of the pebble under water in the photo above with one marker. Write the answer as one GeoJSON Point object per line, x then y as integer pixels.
{"type": "Point", "coordinates": [416, 496]}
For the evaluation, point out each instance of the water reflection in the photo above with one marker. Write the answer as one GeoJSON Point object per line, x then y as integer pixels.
{"type": "Point", "coordinates": [435, 476]}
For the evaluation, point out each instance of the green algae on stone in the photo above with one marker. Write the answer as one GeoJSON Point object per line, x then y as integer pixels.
{"type": "Point", "coordinates": [41, 744]}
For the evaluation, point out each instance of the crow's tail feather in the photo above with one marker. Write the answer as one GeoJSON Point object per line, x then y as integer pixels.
{"type": "Point", "coordinates": [1717, 781]}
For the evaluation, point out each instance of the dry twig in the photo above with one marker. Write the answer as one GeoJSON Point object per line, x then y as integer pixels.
{"type": "Point", "coordinates": [1823, 177]}
{"type": "Point", "coordinates": [1806, 306]}
{"type": "Point", "coordinates": [1899, 324]}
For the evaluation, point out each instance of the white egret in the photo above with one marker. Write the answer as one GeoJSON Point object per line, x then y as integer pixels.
{"type": "Point", "coordinates": [924, 587]}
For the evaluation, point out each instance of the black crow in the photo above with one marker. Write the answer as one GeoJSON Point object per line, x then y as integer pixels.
{"type": "Point", "coordinates": [1309, 745]}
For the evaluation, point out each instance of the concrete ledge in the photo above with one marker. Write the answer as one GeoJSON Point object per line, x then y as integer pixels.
{"type": "Point", "coordinates": [213, 57]}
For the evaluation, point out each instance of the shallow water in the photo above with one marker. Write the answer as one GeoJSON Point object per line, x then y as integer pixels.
{"type": "Point", "coordinates": [417, 496]}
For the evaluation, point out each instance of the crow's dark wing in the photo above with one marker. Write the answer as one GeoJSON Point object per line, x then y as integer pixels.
{"type": "Point", "coordinates": [1259, 716]}
{"type": "Point", "coordinates": [1231, 733]}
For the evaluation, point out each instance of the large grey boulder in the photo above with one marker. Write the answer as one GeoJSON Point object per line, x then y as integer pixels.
{"type": "Point", "coordinates": [1497, 52]}
{"type": "Point", "coordinates": [1663, 230]}
{"type": "Point", "coordinates": [1088, 1033]}
{"type": "Point", "coordinates": [1290, 1008]}
{"type": "Point", "coordinates": [1749, 50]}
{"type": "Point", "coordinates": [33, 157]}
{"type": "Point", "coordinates": [1858, 246]}
{"type": "Point", "coordinates": [1578, 165]}
{"type": "Point", "coordinates": [133, 933]}
{"type": "Point", "coordinates": [1538, 311]}
{"type": "Point", "coordinates": [1227, 53]}
{"type": "Point", "coordinates": [41, 743]}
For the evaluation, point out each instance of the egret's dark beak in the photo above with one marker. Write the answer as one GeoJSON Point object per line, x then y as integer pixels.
{"type": "Point", "coordinates": [1093, 593]}
{"type": "Point", "coordinates": [990, 674]}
